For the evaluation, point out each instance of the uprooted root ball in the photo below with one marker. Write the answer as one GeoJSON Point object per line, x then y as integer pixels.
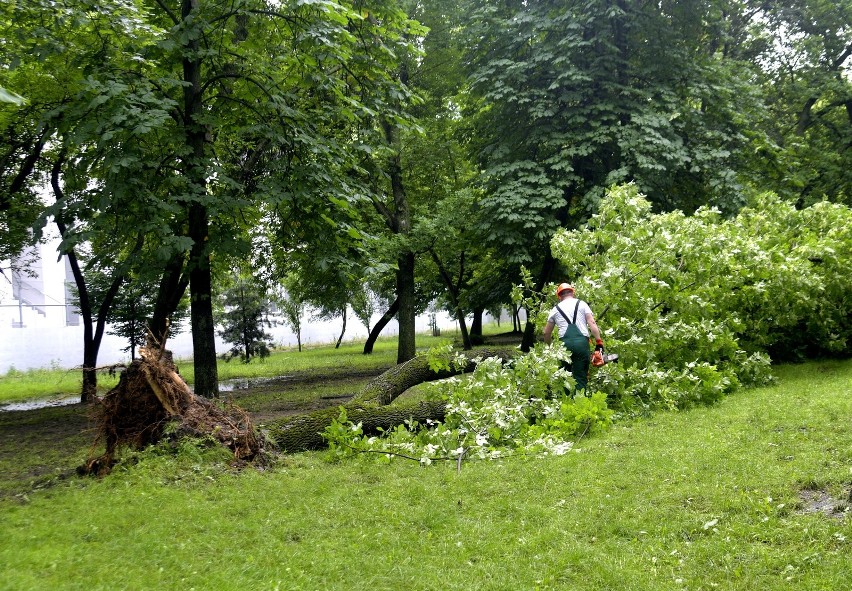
{"type": "Point", "coordinates": [150, 395]}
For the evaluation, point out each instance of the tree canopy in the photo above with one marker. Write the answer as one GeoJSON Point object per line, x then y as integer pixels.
{"type": "Point", "coordinates": [427, 149]}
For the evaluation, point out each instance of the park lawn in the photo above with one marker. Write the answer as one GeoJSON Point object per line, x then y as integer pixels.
{"type": "Point", "coordinates": [715, 497]}
{"type": "Point", "coordinates": [59, 383]}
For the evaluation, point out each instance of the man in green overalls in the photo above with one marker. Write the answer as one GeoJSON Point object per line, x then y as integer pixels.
{"type": "Point", "coordinates": [575, 321]}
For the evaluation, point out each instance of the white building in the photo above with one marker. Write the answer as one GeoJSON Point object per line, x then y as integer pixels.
{"type": "Point", "coordinates": [38, 324]}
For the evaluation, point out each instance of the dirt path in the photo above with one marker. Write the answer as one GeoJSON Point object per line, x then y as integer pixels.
{"type": "Point", "coordinates": [268, 399]}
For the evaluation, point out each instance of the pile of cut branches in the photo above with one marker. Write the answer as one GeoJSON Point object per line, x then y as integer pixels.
{"type": "Point", "coordinates": [150, 396]}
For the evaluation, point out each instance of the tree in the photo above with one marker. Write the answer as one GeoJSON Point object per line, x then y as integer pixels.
{"type": "Point", "coordinates": [130, 312]}
{"type": "Point", "coordinates": [807, 90]}
{"type": "Point", "coordinates": [690, 294]}
{"type": "Point", "coordinates": [395, 210]}
{"type": "Point", "coordinates": [365, 303]}
{"type": "Point", "coordinates": [574, 96]}
{"type": "Point", "coordinates": [246, 311]}
{"type": "Point", "coordinates": [292, 309]}
{"type": "Point", "coordinates": [192, 114]}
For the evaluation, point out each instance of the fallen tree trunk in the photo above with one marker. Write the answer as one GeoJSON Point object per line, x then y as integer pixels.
{"type": "Point", "coordinates": [385, 388]}
{"type": "Point", "coordinates": [151, 394]}
{"type": "Point", "coordinates": [372, 406]}
{"type": "Point", "coordinates": [304, 432]}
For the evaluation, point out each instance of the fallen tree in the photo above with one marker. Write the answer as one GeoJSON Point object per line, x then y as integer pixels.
{"type": "Point", "coordinates": [151, 401]}
{"type": "Point", "coordinates": [373, 407]}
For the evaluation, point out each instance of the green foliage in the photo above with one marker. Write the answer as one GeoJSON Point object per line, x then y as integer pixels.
{"type": "Point", "coordinates": [365, 303]}
{"type": "Point", "coordinates": [291, 305]}
{"type": "Point", "coordinates": [444, 357]}
{"type": "Point", "coordinates": [578, 415]}
{"type": "Point", "coordinates": [342, 435]}
{"type": "Point", "coordinates": [577, 95]}
{"type": "Point", "coordinates": [806, 85]}
{"type": "Point", "coordinates": [246, 311]}
{"type": "Point", "coordinates": [525, 406]}
{"type": "Point", "coordinates": [693, 305]}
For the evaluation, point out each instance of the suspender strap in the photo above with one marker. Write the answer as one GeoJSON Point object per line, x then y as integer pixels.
{"type": "Point", "coordinates": [565, 316]}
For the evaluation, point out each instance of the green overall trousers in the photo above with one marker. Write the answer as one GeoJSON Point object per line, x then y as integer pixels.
{"type": "Point", "coordinates": [578, 344]}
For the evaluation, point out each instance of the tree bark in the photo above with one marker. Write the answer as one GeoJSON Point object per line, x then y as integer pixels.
{"type": "Point", "coordinates": [200, 274]}
{"type": "Point", "coordinates": [303, 432]}
{"type": "Point", "coordinates": [466, 344]}
{"type": "Point", "coordinates": [476, 324]}
{"type": "Point", "coordinates": [406, 348]}
{"type": "Point", "coordinates": [173, 284]}
{"type": "Point", "coordinates": [33, 152]}
{"type": "Point", "coordinates": [201, 308]}
{"type": "Point", "coordinates": [380, 325]}
{"type": "Point", "coordinates": [343, 331]}
{"type": "Point", "coordinates": [372, 406]}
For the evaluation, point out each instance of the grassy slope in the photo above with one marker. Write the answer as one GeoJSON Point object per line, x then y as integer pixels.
{"type": "Point", "coordinates": [704, 499]}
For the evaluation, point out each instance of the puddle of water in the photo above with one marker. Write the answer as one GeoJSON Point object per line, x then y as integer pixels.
{"type": "Point", "coordinates": [246, 383]}
{"type": "Point", "coordinates": [36, 404]}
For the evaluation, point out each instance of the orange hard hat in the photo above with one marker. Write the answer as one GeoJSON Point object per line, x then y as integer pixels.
{"type": "Point", "coordinates": [564, 287]}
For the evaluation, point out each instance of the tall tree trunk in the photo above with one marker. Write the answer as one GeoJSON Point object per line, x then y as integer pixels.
{"type": "Point", "coordinates": [405, 293]}
{"type": "Point", "coordinates": [544, 276]}
{"type": "Point", "coordinates": [476, 326]}
{"type": "Point", "coordinates": [406, 348]}
{"type": "Point", "coordinates": [466, 344]}
{"type": "Point", "coordinates": [201, 307]}
{"type": "Point", "coordinates": [343, 331]}
{"type": "Point", "coordinates": [380, 325]}
{"type": "Point", "coordinates": [200, 274]}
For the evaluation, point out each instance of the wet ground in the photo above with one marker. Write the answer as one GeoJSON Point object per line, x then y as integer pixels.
{"type": "Point", "coordinates": [46, 440]}
{"type": "Point", "coordinates": [43, 441]}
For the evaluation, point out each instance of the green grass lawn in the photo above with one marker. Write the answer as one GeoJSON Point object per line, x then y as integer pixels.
{"type": "Point", "coordinates": [46, 383]}
{"type": "Point", "coordinates": [711, 498]}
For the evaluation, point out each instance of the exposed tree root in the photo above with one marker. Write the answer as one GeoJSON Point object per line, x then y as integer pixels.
{"type": "Point", "coordinates": [151, 395]}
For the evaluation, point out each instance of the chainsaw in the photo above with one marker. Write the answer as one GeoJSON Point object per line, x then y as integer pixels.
{"type": "Point", "coordinates": [599, 358]}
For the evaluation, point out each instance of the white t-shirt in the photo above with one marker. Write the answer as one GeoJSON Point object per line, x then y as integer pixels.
{"type": "Point", "coordinates": [567, 306]}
